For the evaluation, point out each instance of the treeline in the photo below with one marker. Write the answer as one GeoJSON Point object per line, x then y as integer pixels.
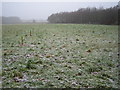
{"type": "Point", "coordinates": [87, 16]}
{"type": "Point", "coordinates": [11, 20]}
{"type": "Point", "coordinates": [17, 20]}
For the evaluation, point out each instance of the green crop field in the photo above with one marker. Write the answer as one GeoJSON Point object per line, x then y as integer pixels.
{"type": "Point", "coordinates": [59, 56]}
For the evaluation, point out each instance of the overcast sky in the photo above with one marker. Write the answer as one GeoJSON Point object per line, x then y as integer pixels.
{"type": "Point", "coordinates": [41, 10]}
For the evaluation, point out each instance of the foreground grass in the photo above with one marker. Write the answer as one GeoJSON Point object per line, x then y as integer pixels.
{"type": "Point", "coordinates": [1, 68]}
{"type": "Point", "coordinates": [60, 55]}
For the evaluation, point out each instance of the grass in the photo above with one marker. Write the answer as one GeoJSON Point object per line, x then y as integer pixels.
{"type": "Point", "coordinates": [0, 68]}
{"type": "Point", "coordinates": [60, 55]}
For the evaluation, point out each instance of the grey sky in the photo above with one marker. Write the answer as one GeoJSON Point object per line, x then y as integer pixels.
{"type": "Point", "coordinates": [41, 10]}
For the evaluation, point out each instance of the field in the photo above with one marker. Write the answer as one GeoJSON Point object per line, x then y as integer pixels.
{"type": "Point", "coordinates": [60, 55]}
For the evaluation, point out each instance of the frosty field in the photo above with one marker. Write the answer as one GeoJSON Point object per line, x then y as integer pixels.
{"type": "Point", "coordinates": [59, 55]}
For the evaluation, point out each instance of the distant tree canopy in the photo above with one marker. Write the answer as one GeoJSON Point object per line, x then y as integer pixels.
{"type": "Point", "coordinates": [87, 16]}
{"type": "Point", "coordinates": [11, 20]}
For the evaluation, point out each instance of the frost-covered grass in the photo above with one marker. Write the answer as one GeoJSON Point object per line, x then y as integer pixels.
{"type": "Point", "coordinates": [60, 55]}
